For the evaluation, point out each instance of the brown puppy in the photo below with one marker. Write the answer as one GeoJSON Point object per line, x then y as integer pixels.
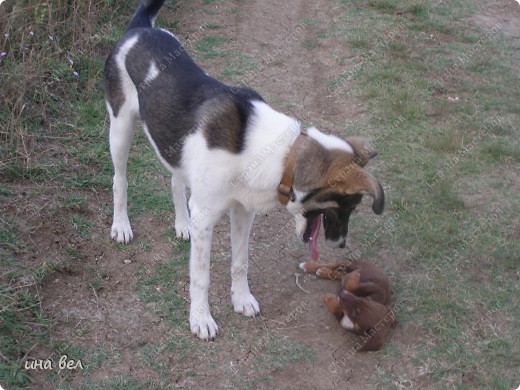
{"type": "Point", "coordinates": [360, 306]}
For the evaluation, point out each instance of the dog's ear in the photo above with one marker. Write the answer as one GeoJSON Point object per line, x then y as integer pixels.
{"type": "Point", "coordinates": [351, 281]}
{"type": "Point", "coordinates": [331, 301]}
{"type": "Point", "coordinates": [363, 150]}
{"type": "Point", "coordinates": [359, 181]}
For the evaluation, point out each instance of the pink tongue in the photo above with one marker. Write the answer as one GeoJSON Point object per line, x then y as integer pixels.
{"type": "Point", "coordinates": [313, 239]}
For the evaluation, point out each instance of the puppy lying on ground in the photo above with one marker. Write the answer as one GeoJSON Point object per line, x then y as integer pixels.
{"type": "Point", "coordinates": [360, 306]}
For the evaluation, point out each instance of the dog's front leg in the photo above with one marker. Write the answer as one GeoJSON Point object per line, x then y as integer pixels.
{"type": "Point", "coordinates": [201, 230]}
{"type": "Point", "coordinates": [243, 301]}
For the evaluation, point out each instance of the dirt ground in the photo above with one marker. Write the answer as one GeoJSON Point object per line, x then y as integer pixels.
{"type": "Point", "coordinates": [116, 318]}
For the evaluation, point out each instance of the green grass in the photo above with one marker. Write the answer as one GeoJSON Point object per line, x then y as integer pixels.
{"type": "Point", "coordinates": [23, 324]}
{"type": "Point", "coordinates": [160, 287]}
{"type": "Point", "coordinates": [240, 68]}
{"type": "Point", "coordinates": [456, 255]}
{"type": "Point", "coordinates": [81, 225]}
{"type": "Point", "coordinates": [210, 46]}
{"type": "Point", "coordinates": [310, 22]}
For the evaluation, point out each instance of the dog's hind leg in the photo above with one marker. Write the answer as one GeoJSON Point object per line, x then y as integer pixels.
{"type": "Point", "coordinates": [122, 130]}
{"type": "Point", "coordinates": [243, 301]}
{"type": "Point", "coordinates": [182, 216]}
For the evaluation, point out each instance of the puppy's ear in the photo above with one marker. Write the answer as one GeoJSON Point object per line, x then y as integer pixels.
{"type": "Point", "coordinates": [351, 281]}
{"type": "Point", "coordinates": [331, 301]}
{"type": "Point", "coordinates": [363, 150]}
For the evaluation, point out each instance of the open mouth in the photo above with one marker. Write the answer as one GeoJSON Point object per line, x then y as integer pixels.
{"type": "Point", "coordinates": [311, 235]}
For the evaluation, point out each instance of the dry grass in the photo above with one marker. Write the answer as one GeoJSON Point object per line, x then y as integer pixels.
{"type": "Point", "coordinates": [50, 54]}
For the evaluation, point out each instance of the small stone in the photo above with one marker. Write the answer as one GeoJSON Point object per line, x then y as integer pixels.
{"type": "Point", "coordinates": [127, 261]}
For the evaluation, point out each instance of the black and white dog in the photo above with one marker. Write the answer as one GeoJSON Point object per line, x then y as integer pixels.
{"type": "Point", "coordinates": [232, 150]}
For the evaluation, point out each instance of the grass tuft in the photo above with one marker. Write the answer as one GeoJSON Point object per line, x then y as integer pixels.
{"type": "Point", "coordinates": [209, 46]}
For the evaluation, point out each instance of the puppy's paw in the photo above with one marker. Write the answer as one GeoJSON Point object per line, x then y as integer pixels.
{"type": "Point", "coordinates": [309, 266]}
{"type": "Point", "coordinates": [324, 273]}
{"type": "Point", "coordinates": [246, 304]}
{"type": "Point", "coordinates": [122, 231]}
{"type": "Point", "coordinates": [329, 299]}
{"type": "Point", "coordinates": [203, 326]}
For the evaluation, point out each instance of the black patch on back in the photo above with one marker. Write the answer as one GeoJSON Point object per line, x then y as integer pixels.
{"type": "Point", "coordinates": [183, 97]}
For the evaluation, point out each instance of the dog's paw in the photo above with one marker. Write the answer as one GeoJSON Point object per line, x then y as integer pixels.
{"type": "Point", "coordinates": [246, 304]}
{"type": "Point", "coordinates": [203, 326]}
{"type": "Point", "coordinates": [122, 231]}
{"type": "Point", "coordinates": [182, 231]}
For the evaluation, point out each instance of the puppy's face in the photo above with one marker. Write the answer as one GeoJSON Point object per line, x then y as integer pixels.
{"type": "Point", "coordinates": [346, 308]}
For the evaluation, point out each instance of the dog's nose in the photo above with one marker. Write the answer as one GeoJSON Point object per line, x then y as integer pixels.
{"type": "Point", "coordinates": [343, 244]}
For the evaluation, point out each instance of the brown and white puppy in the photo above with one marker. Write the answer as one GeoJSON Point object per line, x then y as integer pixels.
{"type": "Point", "coordinates": [236, 153]}
{"type": "Point", "coordinates": [360, 306]}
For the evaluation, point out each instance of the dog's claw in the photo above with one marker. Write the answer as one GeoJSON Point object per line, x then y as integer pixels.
{"type": "Point", "coordinates": [247, 305]}
{"type": "Point", "coordinates": [182, 230]}
{"type": "Point", "coordinates": [122, 232]}
{"type": "Point", "coordinates": [183, 234]}
{"type": "Point", "coordinates": [204, 327]}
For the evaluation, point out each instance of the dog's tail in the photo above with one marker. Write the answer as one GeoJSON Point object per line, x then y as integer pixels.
{"type": "Point", "coordinates": [145, 14]}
